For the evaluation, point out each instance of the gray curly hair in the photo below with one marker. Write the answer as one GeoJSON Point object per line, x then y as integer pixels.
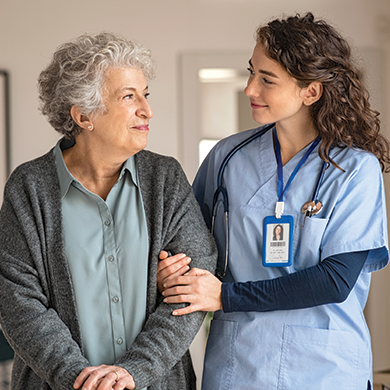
{"type": "Point", "coordinates": [76, 76]}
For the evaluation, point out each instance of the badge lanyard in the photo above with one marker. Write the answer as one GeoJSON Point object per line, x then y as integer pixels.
{"type": "Point", "coordinates": [279, 229]}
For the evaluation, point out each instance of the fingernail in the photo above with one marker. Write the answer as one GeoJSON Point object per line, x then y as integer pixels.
{"type": "Point", "coordinates": [174, 313]}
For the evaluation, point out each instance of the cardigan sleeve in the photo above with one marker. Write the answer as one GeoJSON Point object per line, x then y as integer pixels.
{"type": "Point", "coordinates": [39, 337]}
{"type": "Point", "coordinates": [175, 223]}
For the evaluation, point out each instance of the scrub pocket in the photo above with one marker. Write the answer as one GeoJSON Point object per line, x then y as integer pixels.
{"type": "Point", "coordinates": [307, 241]}
{"type": "Point", "coordinates": [220, 355]}
{"type": "Point", "coordinates": [318, 359]}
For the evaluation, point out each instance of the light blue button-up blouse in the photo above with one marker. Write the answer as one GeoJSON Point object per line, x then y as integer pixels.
{"type": "Point", "coordinates": [106, 245]}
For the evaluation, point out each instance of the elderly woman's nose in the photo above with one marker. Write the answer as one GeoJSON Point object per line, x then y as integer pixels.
{"type": "Point", "coordinates": [145, 109]}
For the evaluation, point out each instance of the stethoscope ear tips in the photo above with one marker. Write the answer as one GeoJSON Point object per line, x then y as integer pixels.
{"type": "Point", "coordinates": [311, 208]}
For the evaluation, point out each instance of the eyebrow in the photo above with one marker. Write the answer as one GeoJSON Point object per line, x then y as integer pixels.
{"type": "Point", "coordinates": [124, 89]}
{"type": "Point", "coordinates": [266, 72]}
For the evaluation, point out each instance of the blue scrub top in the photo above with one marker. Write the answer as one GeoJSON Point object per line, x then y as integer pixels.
{"type": "Point", "coordinates": [323, 347]}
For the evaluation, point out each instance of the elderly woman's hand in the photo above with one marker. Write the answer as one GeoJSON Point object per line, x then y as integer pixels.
{"type": "Point", "coordinates": [170, 267]}
{"type": "Point", "coordinates": [104, 378]}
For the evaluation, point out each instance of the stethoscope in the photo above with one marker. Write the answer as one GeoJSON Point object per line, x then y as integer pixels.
{"type": "Point", "coordinates": [310, 208]}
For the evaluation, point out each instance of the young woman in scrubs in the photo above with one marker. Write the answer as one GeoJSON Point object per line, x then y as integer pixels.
{"type": "Point", "coordinates": [292, 317]}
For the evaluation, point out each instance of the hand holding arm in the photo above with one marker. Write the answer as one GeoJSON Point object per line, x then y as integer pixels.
{"type": "Point", "coordinates": [198, 287]}
{"type": "Point", "coordinates": [328, 282]}
{"type": "Point", "coordinates": [171, 266]}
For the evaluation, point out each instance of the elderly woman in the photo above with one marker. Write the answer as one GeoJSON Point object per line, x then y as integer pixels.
{"type": "Point", "coordinates": [81, 228]}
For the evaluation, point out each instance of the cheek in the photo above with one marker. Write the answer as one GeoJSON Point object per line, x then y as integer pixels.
{"type": "Point", "coordinates": [289, 100]}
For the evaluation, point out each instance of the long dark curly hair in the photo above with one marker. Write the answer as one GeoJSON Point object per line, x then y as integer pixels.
{"type": "Point", "coordinates": [312, 50]}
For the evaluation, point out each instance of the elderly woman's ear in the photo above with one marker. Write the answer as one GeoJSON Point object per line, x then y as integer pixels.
{"type": "Point", "coordinates": [83, 121]}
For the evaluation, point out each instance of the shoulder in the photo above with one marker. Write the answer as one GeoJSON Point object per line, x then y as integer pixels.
{"type": "Point", "coordinates": [360, 177]}
{"type": "Point", "coordinates": [33, 188]}
{"type": "Point", "coordinates": [356, 161]}
{"type": "Point", "coordinates": [227, 144]}
{"type": "Point", "coordinates": [34, 173]}
{"type": "Point", "coordinates": [150, 161]}
{"type": "Point", "coordinates": [156, 171]}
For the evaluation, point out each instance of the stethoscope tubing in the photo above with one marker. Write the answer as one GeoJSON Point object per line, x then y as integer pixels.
{"type": "Point", "coordinates": [221, 190]}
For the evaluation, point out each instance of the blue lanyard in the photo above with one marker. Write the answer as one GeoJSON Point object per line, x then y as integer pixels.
{"type": "Point", "coordinates": [281, 191]}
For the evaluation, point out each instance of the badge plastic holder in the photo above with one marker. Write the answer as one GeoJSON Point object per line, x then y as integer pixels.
{"type": "Point", "coordinates": [278, 241]}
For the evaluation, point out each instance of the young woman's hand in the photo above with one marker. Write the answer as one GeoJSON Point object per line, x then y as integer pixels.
{"type": "Point", "coordinates": [171, 266]}
{"type": "Point", "coordinates": [198, 287]}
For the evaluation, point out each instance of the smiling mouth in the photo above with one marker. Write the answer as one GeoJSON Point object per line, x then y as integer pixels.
{"type": "Point", "coordinates": [254, 105]}
{"type": "Point", "coordinates": [142, 127]}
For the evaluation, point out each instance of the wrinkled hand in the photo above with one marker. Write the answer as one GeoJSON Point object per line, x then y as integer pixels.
{"type": "Point", "coordinates": [198, 287]}
{"type": "Point", "coordinates": [171, 266]}
{"type": "Point", "coordinates": [104, 378]}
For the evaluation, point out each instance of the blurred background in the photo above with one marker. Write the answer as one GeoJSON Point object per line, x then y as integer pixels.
{"type": "Point", "coordinates": [202, 49]}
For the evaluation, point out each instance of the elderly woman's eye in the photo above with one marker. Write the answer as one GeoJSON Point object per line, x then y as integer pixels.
{"type": "Point", "coordinates": [146, 96]}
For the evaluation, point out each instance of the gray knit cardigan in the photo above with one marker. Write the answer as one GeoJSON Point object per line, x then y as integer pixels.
{"type": "Point", "coordinates": [37, 306]}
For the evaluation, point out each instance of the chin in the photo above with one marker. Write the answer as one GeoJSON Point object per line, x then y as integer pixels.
{"type": "Point", "coordinates": [141, 147]}
{"type": "Point", "coordinates": [261, 122]}
{"type": "Point", "coordinates": [260, 119]}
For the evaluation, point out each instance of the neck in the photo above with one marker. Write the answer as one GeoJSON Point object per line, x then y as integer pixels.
{"type": "Point", "coordinates": [293, 140]}
{"type": "Point", "coordinates": [95, 172]}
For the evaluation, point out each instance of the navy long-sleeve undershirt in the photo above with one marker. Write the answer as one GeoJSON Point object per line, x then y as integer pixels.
{"type": "Point", "coordinates": [330, 281]}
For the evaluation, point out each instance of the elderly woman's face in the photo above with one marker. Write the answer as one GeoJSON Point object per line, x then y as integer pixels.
{"type": "Point", "coordinates": [123, 129]}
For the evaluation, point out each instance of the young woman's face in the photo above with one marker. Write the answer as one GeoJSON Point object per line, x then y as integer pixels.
{"type": "Point", "coordinates": [274, 95]}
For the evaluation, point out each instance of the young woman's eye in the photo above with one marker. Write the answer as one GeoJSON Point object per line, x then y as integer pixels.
{"type": "Point", "coordinates": [251, 71]}
{"type": "Point", "coordinates": [266, 81]}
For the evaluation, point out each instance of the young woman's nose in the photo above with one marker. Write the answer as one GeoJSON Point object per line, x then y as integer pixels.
{"type": "Point", "coordinates": [252, 88]}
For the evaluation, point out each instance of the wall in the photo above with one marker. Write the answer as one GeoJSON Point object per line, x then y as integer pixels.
{"type": "Point", "coordinates": [31, 30]}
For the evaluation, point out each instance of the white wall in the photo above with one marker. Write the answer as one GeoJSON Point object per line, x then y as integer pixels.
{"type": "Point", "coordinates": [31, 30]}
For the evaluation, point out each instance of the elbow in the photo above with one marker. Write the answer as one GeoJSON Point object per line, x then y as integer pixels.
{"type": "Point", "coordinates": [340, 295]}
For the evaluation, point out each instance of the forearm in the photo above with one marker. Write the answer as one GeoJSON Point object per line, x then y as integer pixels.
{"type": "Point", "coordinates": [161, 344]}
{"type": "Point", "coordinates": [328, 282]}
{"type": "Point", "coordinates": [49, 351]}
{"type": "Point", "coordinates": [32, 326]}
{"type": "Point", "coordinates": [164, 338]}
{"type": "Point", "coordinates": [35, 332]}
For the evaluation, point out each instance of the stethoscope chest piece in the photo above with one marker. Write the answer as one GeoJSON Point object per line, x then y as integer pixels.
{"type": "Point", "coordinates": [311, 208]}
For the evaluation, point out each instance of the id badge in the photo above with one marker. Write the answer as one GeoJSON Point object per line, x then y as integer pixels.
{"type": "Point", "coordinates": [278, 241]}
